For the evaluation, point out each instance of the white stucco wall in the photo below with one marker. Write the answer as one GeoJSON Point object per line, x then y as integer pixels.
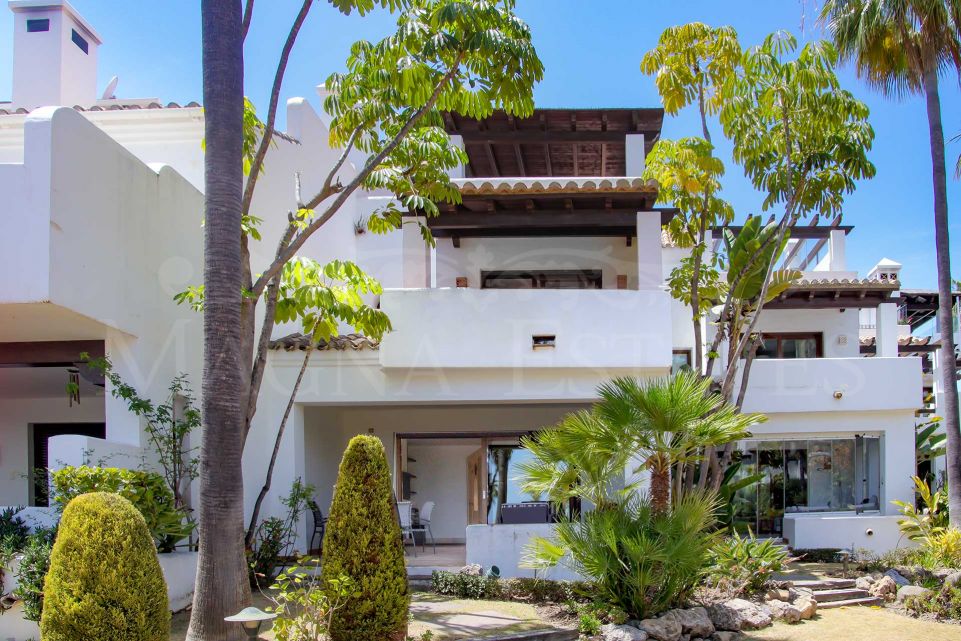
{"type": "Point", "coordinates": [611, 255]}
{"type": "Point", "coordinates": [844, 531]}
{"type": "Point", "coordinates": [478, 328]}
{"type": "Point", "coordinates": [505, 546]}
{"type": "Point", "coordinates": [16, 415]}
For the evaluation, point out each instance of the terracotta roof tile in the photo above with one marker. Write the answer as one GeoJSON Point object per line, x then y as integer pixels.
{"type": "Point", "coordinates": [342, 343]}
{"type": "Point", "coordinates": [844, 283]}
{"type": "Point", "coordinates": [549, 185]}
{"type": "Point", "coordinates": [113, 107]}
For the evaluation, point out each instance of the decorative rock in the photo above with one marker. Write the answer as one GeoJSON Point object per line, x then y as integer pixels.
{"type": "Point", "coordinates": [942, 573]}
{"type": "Point", "coordinates": [778, 594]}
{"type": "Point", "coordinates": [724, 635]}
{"type": "Point", "coordinates": [864, 582]}
{"type": "Point", "coordinates": [906, 591]}
{"type": "Point", "coordinates": [808, 607]}
{"type": "Point", "coordinates": [611, 632]}
{"type": "Point", "coordinates": [666, 627]}
{"type": "Point", "coordinates": [896, 576]}
{"type": "Point", "coordinates": [473, 569]}
{"type": "Point", "coordinates": [784, 611]}
{"type": "Point", "coordinates": [913, 573]}
{"type": "Point", "coordinates": [885, 588]}
{"type": "Point", "coordinates": [800, 593]}
{"type": "Point", "coordinates": [694, 621]}
{"type": "Point", "coordinates": [953, 579]}
{"type": "Point", "coordinates": [739, 614]}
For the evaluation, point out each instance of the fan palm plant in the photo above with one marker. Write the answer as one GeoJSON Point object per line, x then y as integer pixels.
{"type": "Point", "coordinates": [666, 421]}
{"type": "Point", "coordinates": [901, 47]}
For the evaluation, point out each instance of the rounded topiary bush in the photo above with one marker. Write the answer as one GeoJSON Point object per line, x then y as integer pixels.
{"type": "Point", "coordinates": [104, 581]}
{"type": "Point", "coordinates": [363, 542]}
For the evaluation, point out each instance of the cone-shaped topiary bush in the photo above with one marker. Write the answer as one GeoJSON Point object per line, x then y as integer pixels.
{"type": "Point", "coordinates": [104, 582]}
{"type": "Point", "coordinates": [363, 542]}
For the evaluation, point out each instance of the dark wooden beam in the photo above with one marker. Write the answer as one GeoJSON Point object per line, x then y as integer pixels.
{"type": "Point", "coordinates": [48, 353]}
{"type": "Point", "coordinates": [537, 218]}
{"type": "Point", "coordinates": [801, 231]}
{"type": "Point", "coordinates": [576, 231]}
{"type": "Point", "coordinates": [836, 223]}
{"type": "Point", "coordinates": [582, 136]}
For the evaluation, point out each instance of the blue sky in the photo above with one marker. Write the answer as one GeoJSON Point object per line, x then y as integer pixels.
{"type": "Point", "coordinates": [591, 50]}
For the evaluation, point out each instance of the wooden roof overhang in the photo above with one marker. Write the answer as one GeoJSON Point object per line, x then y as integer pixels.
{"type": "Point", "coordinates": [834, 294]}
{"type": "Point", "coordinates": [553, 142]}
{"type": "Point", "coordinates": [920, 305]}
{"type": "Point", "coordinates": [545, 207]}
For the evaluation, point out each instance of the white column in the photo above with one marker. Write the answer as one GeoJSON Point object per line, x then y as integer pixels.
{"type": "Point", "coordinates": [649, 268]}
{"type": "Point", "coordinates": [416, 254]}
{"type": "Point", "coordinates": [634, 155]}
{"type": "Point", "coordinates": [837, 261]}
{"type": "Point", "coordinates": [460, 170]}
{"type": "Point", "coordinates": [886, 330]}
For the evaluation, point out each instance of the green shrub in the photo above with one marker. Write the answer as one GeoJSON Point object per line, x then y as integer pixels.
{"type": "Point", "coordinates": [818, 555]}
{"type": "Point", "coordinates": [545, 590]}
{"type": "Point", "coordinates": [148, 491]}
{"type": "Point", "coordinates": [944, 603]}
{"type": "Point", "coordinates": [13, 531]}
{"type": "Point", "coordinates": [588, 624]}
{"type": "Point", "coordinates": [34, 563]}
{"type": "Point", "coordinates": [363, 543]}
{"type": "Point", "coordinates": [642, 562]}
{"type": "Point", "coordinates": [465, 586]}
{"type": "Point", "coordinates": [868, 561]}
{"type": "Point", "coordinates": [104, 581]}
{"type": "Point", "coordinates": [943, 549]}
{"type": "Point", "coordinates": [746, 563]}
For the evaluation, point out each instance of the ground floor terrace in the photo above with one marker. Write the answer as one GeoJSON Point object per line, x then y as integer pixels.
{"type": "Point", "coordinates": [826, 479]}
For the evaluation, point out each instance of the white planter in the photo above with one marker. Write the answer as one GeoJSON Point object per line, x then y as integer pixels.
{"type": "Point", "coordinates": [13, 627]}
{"type": "Point", "coordinates": [10, 575]}
{"type": "Point", "coordinates": [180, 572]}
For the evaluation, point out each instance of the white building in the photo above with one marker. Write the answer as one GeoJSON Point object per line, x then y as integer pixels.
{"type": "Point", "coordinates": [547, 281]}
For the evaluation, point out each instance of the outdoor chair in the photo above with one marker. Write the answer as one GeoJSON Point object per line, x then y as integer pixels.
{"type": "Point", "coordinates": [424, 525]}
{"type": "Point", "coordinates": [405, 514]}
{"type": "Point", "coordinates": [320, 526]}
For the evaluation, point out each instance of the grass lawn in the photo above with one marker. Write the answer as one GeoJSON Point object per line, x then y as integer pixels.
{"type": "Point", "coordinates": [859, 624]}
{"type": "Point", "coordinates": [447, 618]}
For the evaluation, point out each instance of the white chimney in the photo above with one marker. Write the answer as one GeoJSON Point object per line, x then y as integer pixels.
{"type": "Point", "coordinates": [54, 55]}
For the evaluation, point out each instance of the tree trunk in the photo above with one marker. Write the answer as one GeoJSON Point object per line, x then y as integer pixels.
{"type": "Point", "coordinates": [949, 381]}
{"type": "Point", "coordinates": [255, 514]}
{"type": "Point", "coordinates": [660, 487]}
{"type": "Point", "coordinates": [222, 588]}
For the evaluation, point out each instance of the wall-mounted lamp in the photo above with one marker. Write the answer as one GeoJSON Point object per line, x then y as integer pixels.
{"type": "Point", "coordinates": [250, 619]}
{"type": "Point", "coordinates": [838, 394]}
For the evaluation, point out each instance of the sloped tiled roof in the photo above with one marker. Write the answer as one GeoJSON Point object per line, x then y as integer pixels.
{"type": "Point", "coordinates": [549, 185]}
{"type": "Point", "coordinates": [112, 107]}
{"type": "Point", "coordinates": [903, 341]}
{"type": "Point", "coordinates": [342, 343]}
{"type": "Point", "coordinates": [834, 284]}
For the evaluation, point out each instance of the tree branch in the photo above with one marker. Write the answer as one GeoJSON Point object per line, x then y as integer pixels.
{"type": "Point", "coordinates": [258, 161]}
{"type": "Point", "coordinates": [334, 207]}
{"type": "Point", "coordinates": [248, 14]}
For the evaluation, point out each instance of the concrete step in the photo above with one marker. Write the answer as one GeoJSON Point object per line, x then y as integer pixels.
{"type": "Point", "coordinates": [824, 584]}
{"type": "Point", "coordinates": [844, 594]}
{"type": "Point", "coordinates": [870, 600]}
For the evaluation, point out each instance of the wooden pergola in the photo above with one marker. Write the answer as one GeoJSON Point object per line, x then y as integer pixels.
{"type": "Point", "coordinates": [553, 142]}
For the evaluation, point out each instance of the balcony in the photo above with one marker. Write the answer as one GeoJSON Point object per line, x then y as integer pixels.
{"type": "Point", "coordinates": [540, 328]}
{"type": "Point", "coordinates": [833, 384]}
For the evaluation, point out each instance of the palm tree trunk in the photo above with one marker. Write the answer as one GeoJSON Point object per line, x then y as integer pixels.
{"type": "Point", "coordinates": [949, 380]}
{"type": "Point", "coordinates": [660, 488]}
{"type": "Point", "coordinates": [222, 588]}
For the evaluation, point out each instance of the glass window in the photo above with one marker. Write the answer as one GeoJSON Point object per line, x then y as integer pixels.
{"type": "Point", "coordinates": [542, 279]}
{"type": "Point", "coordinates": [40, 24]}
{"type": "Point", "coordinates": [502, 475]}
{"type": "Point", "coordinates": [680, 360]}
{"type": "Point", "coordinates": [793, 345]}
{"type": "Point", "coordinates": [79, 40]}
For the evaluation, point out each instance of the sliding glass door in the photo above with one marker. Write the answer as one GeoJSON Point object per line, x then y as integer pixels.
{"type": "Point", "coordinates": [798, 476]}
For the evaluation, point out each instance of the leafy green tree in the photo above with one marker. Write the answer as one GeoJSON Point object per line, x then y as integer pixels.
{"type": "Point", "coordinates": [901, 47]}
{"type": "Point", "coordinates": [802, 140]}
{"type": "Point", "coordinates": [464, 56]}
{"type": "Point", "coordinates": [692, 63]}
